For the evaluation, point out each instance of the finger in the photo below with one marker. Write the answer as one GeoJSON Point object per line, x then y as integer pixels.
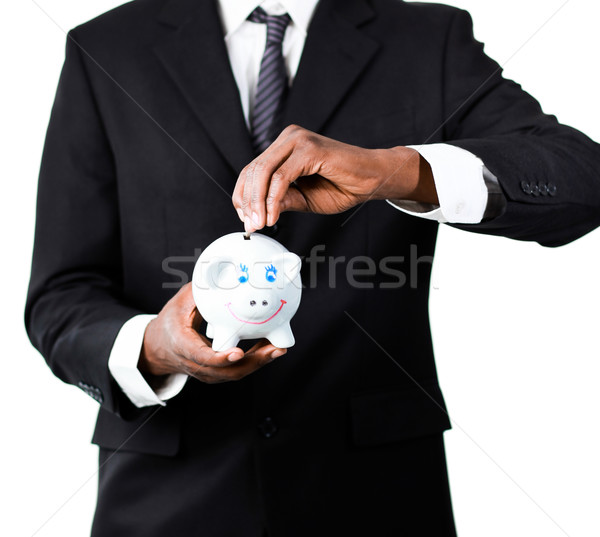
{"type": "Point", "coordinates": [266, 171]}
{"type": "Point", "coordinates": [209, 375]}
{"type": "Point", "coordinates": [185, 295]}
{"type": "Point", "coordinates": [278, 188]}
{"type": "Point", "coordinates": [187, 311]}
{"type": "Point", "coordinates": [257, 179]}
{"type": "Point", "coordinates": [255, 189]}
{"type": "Point", "coordinates": [196, 348]}
{"type": "Point", "coordinates": [264, 348]}
{"type": "Point", "coordinates": [281, 195]}
{"type": "Point", "coordinates": [258, 356]}
{"type": "Point", "coordinates": [184, 299]}
{"type": "Point", "coordinates": [293, 200]}
{"type": "Point", "coordinates": [305, 192]}
{"type": "Point", "coordinates": [237, 197]}
{"type": "Point", "coordinates": [258, 191]}
{"type": "Point", "coordinates": [249, 174]}
{"type": "Point", "coordinates": [303, 160]}
{"type": "Point", "coordinates": [251, 187]}
{"type": "Point", "coordinates": [253, 360]}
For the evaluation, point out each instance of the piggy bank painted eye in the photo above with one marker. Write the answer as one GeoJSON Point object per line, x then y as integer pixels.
{"type": "Point", "coordinates": [271, 274]}
{"type": "Point", "coordinates": [243, 277]}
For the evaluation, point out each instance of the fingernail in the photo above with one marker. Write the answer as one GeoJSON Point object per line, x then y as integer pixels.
{"type": "Point", "coordinates": [240, 214]}
{"type": "Point", "coordinates": [247, 224]}
{"type": "Point", "coordinates": [255, 219]}
{"type": "Point", "coordinates": [235, 356]}
{"type": "Point", "coordinates": [278, 353]}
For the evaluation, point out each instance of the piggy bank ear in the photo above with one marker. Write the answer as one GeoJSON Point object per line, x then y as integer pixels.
{"type": "Point", "coordinates": [216, 270]}
{"type": "Point", "coordinates": [289, 264]}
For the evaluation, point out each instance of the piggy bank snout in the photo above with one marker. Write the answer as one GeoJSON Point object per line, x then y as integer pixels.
{"type": "Point", "coordinates": [256, 302]}
{"type": "Point", "coordinates": [253, 302]}
{"type": "Point", "coordinates": [258, 299]}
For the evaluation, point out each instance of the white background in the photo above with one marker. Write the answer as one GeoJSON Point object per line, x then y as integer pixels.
{"type": "Point", "coordinates": [515, 325]}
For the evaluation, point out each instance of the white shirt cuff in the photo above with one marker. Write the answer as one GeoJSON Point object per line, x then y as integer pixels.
{"type": "Point", "coordinates": [460, 185]}
{"type": "Point", "coordinates": [123, 366]}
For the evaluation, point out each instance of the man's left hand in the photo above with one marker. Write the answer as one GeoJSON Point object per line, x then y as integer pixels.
{"type": "Point", "coordinates": [304, 171]}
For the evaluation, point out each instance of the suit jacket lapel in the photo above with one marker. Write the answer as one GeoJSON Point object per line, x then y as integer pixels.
{"type": "Point", "coordinates": [195, 57]}
{"type": "Point", "coordinates": [335, 54]}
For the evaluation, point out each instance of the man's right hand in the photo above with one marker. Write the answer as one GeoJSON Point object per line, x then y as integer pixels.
{"type": "Point", "coordinates": [172, 344]}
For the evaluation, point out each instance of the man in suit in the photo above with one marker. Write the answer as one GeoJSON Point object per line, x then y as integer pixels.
{"type": "Point", "coordinates": [155, 128]}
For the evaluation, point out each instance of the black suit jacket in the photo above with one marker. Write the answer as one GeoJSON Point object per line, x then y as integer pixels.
{"type": "Point", "coordinates": [144, 146]}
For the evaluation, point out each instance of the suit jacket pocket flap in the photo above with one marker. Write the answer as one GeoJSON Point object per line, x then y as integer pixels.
{"type": "Point", "coordinates": [393, 416]}
{"type": "Point", "coordinates": [153, 432]}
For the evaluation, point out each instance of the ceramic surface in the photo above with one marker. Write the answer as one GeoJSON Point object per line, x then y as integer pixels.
{"type": "Point", "coordinates": [247, 289]}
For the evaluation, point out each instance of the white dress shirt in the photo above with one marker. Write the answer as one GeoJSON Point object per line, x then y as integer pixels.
{"type": "Point", "coordinates": [458, 175]}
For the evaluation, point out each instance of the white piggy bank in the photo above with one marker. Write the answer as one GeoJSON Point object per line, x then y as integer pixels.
{"type": "Point", "coordinates": [247, 289]}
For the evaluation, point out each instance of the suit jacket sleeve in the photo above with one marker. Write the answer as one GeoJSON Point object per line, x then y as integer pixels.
{"type": "Point", "coordinates": [74, 305]}
{"type": "Point", "coordinates": [549, 173]}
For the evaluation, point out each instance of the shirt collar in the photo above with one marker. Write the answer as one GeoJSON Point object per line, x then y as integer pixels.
{"type": "Point", "coordinates": [235, 12]}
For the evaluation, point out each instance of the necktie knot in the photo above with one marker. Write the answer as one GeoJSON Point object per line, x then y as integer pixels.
{"type": "Point", "coordinates": [276, 24]}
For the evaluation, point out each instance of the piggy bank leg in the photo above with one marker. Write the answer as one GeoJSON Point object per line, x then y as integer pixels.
{"type": "Point", "coordinates": [210, 331]}
{"type": "Point", "coordinates": [282, 336]}
{"type": "Point", "coordinates": [224, 339]}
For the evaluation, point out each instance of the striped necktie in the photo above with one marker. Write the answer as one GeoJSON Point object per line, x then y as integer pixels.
{"type": "Point", "coordinates": [272, 80]}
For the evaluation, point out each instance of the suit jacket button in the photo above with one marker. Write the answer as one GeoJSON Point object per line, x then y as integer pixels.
{"type": "Point", "coordinates": [535, 190]}
{"type": "Point", "coordinates": [526, 187]}
{"type": "Point", "coordinates": [544, 189]}
{"type": "Point", "coordinates": [552, 189]}
{"type": "Point", "coordinates": [93, 391]}
{"type": "Point", "coordinates": [268, 428]}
